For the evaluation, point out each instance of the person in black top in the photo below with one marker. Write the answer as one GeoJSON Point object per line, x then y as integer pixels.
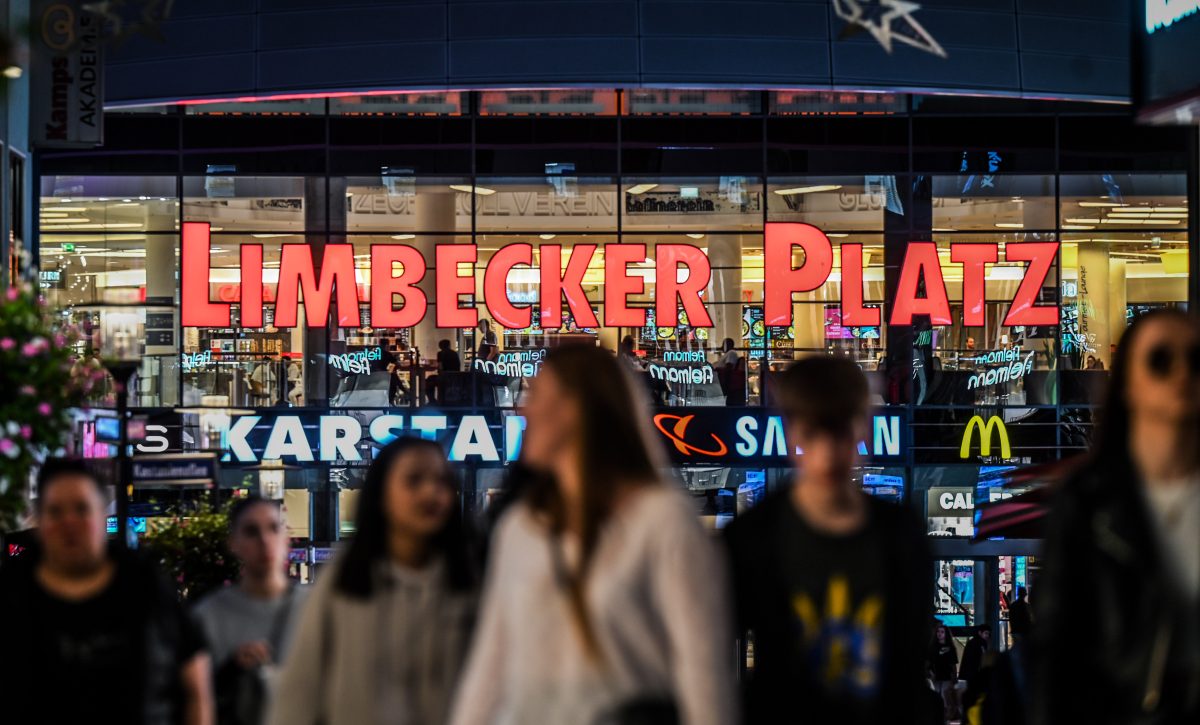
{"type": "Point", "coordinates": [448, 362]}
{"type": "Point", "coordinates": [489, 346]}
{"type": "Point", "coordinates": [943, 669]}
{"type": "Point", "coordinates": [831, 584]}
{"type": "Point", "coordinates": [447, 358]}
{"type": "Point", "coordinates": [1020, 617]}
{"type": "Point", "coordinates": [89, 633]}
{"type": "Point", "coordinates": [973, 651]}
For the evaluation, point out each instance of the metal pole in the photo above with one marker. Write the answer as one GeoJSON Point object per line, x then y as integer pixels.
{"type": "Point", "coordinates": [122, 372]}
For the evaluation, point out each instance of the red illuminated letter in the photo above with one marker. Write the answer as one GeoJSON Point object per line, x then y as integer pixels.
{"type": "Point", "coordinates": [385, 285]}
{"type": "Point", "coordinates": [296, 275]}
{"type": "Point", "coordinates": [780, 279]}
{"type": "Point", "coordinates": [556, 282]}
{"type": "Point", "coordinates": [1025, 310]}
{"type": "Point", "coordinates": [974, 258]}
{"type": "Point", "coordinates": [450, 285]}
{"type": "Point", "coordinates": [619, 284]}
{"type": "Point", "coordinates": [921, 260]}
{"type": "Point", "coordinates": [251, 256]}
{"type": "Point", "coordinates": [196, 310]}
{"type": "Point", "coordinates": [854, 314]}
{"type": "Point", "coordinates": [667, 287]}
{"type": "Point", "coordinates": [495, 286]}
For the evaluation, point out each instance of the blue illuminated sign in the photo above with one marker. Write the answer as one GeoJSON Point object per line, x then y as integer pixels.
{"type": "Point", "coordinates": [1165, 13]}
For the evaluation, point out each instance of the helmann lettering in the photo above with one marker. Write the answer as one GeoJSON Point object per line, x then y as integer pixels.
{"type": "Point", "coordinates": [682, 272]}
{"type": "Point", "coordinates": [700, 375]}
{"type": "Point", "coordinates": [985, 437]}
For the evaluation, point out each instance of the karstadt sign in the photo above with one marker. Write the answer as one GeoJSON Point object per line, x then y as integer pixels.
{"type": "Point", "coordinates": [707, 437]}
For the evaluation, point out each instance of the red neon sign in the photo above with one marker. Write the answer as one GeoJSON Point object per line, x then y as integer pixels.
{"type": "Point", "coordinates": [396, 300]}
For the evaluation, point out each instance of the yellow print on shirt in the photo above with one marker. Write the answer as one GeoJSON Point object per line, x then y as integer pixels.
{"type": "Point", "coordinates": [843, 642]}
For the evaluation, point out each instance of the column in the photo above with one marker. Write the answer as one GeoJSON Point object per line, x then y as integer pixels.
{"type": "Point", "coordinates": [1094, 300]}
{"type": "Point", "coordinates": [435, 212]}
{"type": "Point", "coordinates": [162, 323]}
{"type": "Point", "coordinates": [1118, 299]}
{"type": "Point", "coordinates": [725, 288]}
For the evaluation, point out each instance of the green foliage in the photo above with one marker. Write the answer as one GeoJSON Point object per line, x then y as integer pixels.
{"type": "Point", "coordinates": [41, 380]}
{"type": "Point", "coordinates": [191, 549]}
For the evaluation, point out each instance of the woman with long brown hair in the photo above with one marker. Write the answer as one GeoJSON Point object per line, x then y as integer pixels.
{"type": "Point", "coordinates": [605, 600]}
{"type": "Point", "coordinates": [1116, 626]}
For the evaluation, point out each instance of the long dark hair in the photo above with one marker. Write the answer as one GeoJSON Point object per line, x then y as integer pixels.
{"type": "Point", "coordinates": [616, 449]}
{"type": "Point", "coordinates": [355, 574]}
{"type": "Point", "coordinates": [1111, 442]}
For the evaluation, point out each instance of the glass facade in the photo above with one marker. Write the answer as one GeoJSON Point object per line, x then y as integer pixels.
{"type": "Point", "coordinates": [958, 406]}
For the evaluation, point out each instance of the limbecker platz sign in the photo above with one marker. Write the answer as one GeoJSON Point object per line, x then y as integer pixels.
{"type": "Point", "coordinates": [397, 301]}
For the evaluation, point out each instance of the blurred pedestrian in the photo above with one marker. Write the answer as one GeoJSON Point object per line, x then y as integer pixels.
{"type": "Point", "coordinates": [1118, 605]}
{"type": "Point", "coordinates": [1020, 616]}
{"type": "Point", "coordinates": [731, 372]}
{"type": "Point", "coordinates": [447, 362]}
{"type": "Point", "coordinates": [385, 631]}
{"type": "Point", "coordinates": [973, 652]}
{"type": "Point", "coordinates": [831, 584]}
{"type": "Point", "coordinates": [488, 348]}
{"type": "Point", "coordinates": [605, 599]}
{"type": "Point", "coordinates": [943, 667]}
{"type": "Point", "coordinates": [248, 626]}
{"type": "Point", "coordinates": [90, 633]}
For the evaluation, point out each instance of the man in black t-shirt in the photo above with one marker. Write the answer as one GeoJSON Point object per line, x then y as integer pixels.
{"type": "Point", "coordinates": [832, 585]}
{"type": "Point", "coordinates": [90, 634]}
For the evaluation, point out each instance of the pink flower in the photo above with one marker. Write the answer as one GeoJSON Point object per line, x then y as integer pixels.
{"type": "Point", "coordinates": [60, 339]}
{"type": "Point", "coordinates": [8, 448]}
{"type": "Point", "coordinates": [44, 409]}
{"type": "Point", "coordinates": [26, 432]}
{"type": "Point", "coordinates": [27, 390]}
{"type": "Point", "coordinates": [7, 344]}
{"type": "Point", "coordinates": [12, 294]}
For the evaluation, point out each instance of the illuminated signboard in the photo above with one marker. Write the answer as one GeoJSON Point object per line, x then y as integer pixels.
{"type": "Point", "coordinates": [708, 436]}
{"type": "Point", "coordinates": [697, 375]}
{"type": "Point", "coordinates": [682, 272]}
{"type": "Point", "coordinates": [1165, 13]}
{"type": "Point", "coordinates": [1011, 367]}
{"type": "Point", "coordinates": [518, 364]}
{"type": "Point", "coordinates": [1166, 77]}
{"type": "Point", "coordinates": [193, 361]}
{"type": "Point", "coordinates": [358, 361]}
{"type": "Point", "coordinates": [993, 423]}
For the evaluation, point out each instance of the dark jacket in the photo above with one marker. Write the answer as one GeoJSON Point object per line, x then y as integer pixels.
{"type": "Point", "coordinates": [1108, 623]}
{"type": "Point", "coordinates": [972, 658]}
{"type": "Point", "coordinates": [773, 691]}
{"type": "Point", "coordinates": [943, 660]}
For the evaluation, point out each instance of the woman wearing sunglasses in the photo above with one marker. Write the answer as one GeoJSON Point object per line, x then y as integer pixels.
{"type": "Point", "coordinates": [1117, 620]}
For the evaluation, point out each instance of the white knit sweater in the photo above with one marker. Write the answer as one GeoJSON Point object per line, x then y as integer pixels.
{"type": "Point", "coordinates": [657, 595]}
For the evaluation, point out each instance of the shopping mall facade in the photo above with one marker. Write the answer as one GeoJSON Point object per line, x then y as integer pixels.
{"type": "Point", "coordinates": [1003, 193]}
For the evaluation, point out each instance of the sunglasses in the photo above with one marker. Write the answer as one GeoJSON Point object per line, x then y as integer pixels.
{"type": "Point", "coordinates": [1163, 358]}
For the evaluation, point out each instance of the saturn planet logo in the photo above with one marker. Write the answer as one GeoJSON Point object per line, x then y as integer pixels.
{"type": "Point", "coordinates": [677, 434]}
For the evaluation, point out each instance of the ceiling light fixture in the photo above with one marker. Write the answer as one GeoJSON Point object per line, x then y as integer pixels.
{"type": "Point", "coordinates": [807, 189]}
{"type": "Point", "coordinates": [640, 188]}
{"type": "Point", "coordinates": [467, 188]}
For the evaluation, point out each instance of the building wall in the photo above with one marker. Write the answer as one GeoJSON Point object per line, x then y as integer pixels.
{"type": "Point", "coordinates": [14, 143]}
{"type": "Point", "coordinates": [221, 48]}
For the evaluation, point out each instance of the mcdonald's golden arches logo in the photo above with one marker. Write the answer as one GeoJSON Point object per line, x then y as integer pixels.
{"type": "Point", "coordinates": [985, 437]}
